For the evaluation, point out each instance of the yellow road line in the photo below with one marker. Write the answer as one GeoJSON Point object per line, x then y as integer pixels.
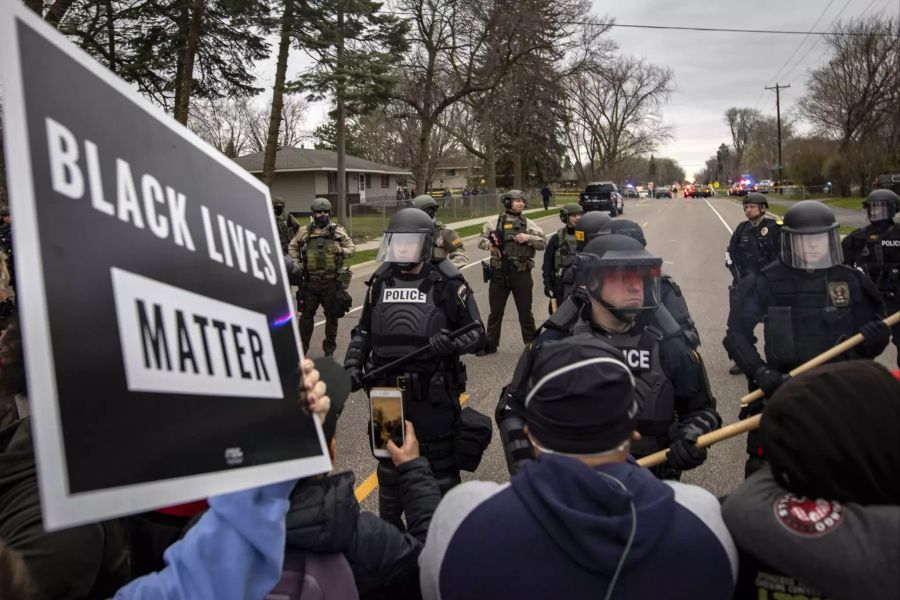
{"type": "Point", "coordinates": [368, 486]}
{"type": "Point", "coordinates": [645, 224]}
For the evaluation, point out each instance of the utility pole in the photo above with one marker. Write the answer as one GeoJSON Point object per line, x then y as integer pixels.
{"type": "Point", "coordinates": [778, 89]}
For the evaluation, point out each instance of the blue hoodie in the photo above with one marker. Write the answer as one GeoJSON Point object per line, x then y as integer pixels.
{"type": "Point", "coordinates": [561, 529]}
{"type": "Point", "coordinates": [234, 552]}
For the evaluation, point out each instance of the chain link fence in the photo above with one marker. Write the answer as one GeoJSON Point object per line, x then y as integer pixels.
{"type": "Point", "coordinates": [369, 220]}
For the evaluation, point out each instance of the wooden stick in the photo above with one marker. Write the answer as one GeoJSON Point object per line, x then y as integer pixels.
{"type": "Point", "coordinates": [751, 423]}
{"type": "Point", "coordinates": [824, 357]}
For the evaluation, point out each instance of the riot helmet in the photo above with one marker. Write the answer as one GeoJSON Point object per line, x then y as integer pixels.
{"type": "Point", "coordinates": [278, 205]}
{"type": "Point", "coordinates": [408, 239]}
{"type": "Point", "coordinates": [321, 208]}
{"type": "Point", "coordinates": [427, 203]}
{"type": "Point", "coordinates": [881, 205]}
{"type": "Point", "coordinates": [621, 275]}
{"type": "Point", "coordinates": [629, 228]}
{"type": "Point", "coordinates": [511, 195]}
{"type": "Point", "coordinates": [568, 210]}
{"type": "Point", "coordinates": [590, 226]}
{"type": "Point", "coordinates": [758, 199]}
{"type": "Point", "coordinates": [810, 237]}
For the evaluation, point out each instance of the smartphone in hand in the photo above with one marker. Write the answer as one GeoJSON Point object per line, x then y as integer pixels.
{"type": "Point", "coordinates": [386, 405]}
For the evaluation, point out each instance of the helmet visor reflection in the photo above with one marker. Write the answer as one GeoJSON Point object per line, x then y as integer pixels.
{"type": "Point", "coordinates": [811, 251]}
{"type": "Point", "coordinates": [879, 211]}
{"type": "Point", "coordinates": [404, 248]}
{"type": "Point", "coordinates": [626, 287]}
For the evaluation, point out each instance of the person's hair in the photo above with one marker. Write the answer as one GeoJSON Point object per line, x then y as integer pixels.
{"type": "Point", "coordinates": [15, 581]}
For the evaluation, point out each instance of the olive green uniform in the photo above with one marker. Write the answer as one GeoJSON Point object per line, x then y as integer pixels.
{"type": "Point", "coordinates": [511, 272]}
{"type": "Point", "coordinates": [287, 229]}
{"type": "Point", "coordinates": [448, 244]}
{"type": "Point", "coordinates": [322, 253]}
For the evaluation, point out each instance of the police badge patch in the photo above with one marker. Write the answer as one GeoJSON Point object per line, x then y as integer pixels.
{"type": "Point", "coordinates": [579, 235]}
{"type": "Point", "coordinates": [839, 292]}
{"type": "Point", "coordinates": [764, 231]}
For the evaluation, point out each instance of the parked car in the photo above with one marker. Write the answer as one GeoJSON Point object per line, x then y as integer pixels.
{"type": "Point", "coordinates": [630, 192]}
{"type": "Point", "coordinates": [889, 182]}
{"type": "Point", "coordinates": [602, 195]}
{"type": "Point", "coordinates": [696, 190]}
{"type": "Point", "coordinates": [643, 192]}
{"type": "Point", "coordinates": [662, 192]}
{"type": "Point", "coordinates": [765, 186]}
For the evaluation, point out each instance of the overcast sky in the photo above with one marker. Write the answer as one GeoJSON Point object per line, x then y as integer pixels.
{"type": "Point", "coordinates": [713, 70]}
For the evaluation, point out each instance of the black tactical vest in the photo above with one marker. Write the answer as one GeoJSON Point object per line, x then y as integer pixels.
{"type": "Point", "coordinates": [880, 257]}
{"type": "Point", "coordinates": [756, 245]}
{"type": "Point", "coordinates": [808, 313]}
{"type": "Point", "coordinates": [567, 242]}
{"type": "Point", "coordinates": [641, 352]}
{"type": "Point", "coordinates": [673, 300]}
{"type": "Point", "coordinates": [404, 315]}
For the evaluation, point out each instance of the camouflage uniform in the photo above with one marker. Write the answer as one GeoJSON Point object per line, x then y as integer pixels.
{"type": "Point", "coordinates": [448, 244]}
{"type": "Point", "coordinates": [321, 251]}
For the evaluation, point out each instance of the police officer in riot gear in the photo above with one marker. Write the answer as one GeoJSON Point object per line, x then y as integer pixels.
{"type": "Point", "coordinates": [412, 303]}
{"type": "Point", "coordinates": [618, 300]}
{"type": "Point", "coordinates": [447, 244]}
{"type": "Point", "coordinates": [321, 248]}
{"type": "Point", "coordinates": [875, 249]}
{"type": "Point", "coordinates": [591, 225]}
{"type": "Point", "coordinates": [754, 244]}
{"type": "Point", "coordinates": [560, 245]}
{"type": "Point", "coordinates": [808, 301]}
{"type": "Point", "coordinates": [287, 226]}
{"type": "Point", "coordinates": [513, 241]}
{"type": "Point", "coordinates": [671, 297]}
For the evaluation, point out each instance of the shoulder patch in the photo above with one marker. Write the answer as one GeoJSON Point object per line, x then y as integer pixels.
{"type": "Point", "coordinates": [457, 242]}
{"type": "Point", "coordinates": [808, 518]}
{"type": "Point", "coordinates": [779, 222]}
{"type": "Point", "coordinates": [839, 292]}
{"type": "Point", "coordinates": [463, 293]}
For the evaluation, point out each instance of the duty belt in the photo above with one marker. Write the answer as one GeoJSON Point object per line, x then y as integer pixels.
{"type": "Point", "coordinates": [317, 277]}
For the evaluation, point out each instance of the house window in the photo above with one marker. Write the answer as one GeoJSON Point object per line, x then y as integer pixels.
{"type": "Point", "coordinates": [451, 172]}
{"type": "Point", "coordinates": [332, 182]}
{"type": "Point", "coordinates": [368, 181]}
{"type": "Point", "coordinates": [385, 181]}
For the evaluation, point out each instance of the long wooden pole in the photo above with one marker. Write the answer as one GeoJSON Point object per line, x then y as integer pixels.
{"type": "Point", "coordinates": [735, 429]}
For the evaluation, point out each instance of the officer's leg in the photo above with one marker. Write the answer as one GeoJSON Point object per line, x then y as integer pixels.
{"type": "Point", "coordinates": [755, 453]}
{"type": "Point", "coordinates": [522, 290]}
{"type": "Point", "coordinates": [498, 294]}
{"type": "Point", "coordinates": [331, 321]}
{"type": "Point", "coordinates": [311, 303]}
{"type": "Point", "coordinates": [390, 494]}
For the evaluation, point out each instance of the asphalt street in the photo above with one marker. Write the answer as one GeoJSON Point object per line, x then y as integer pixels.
{"type": "Point", "coordinates": [690, 234]}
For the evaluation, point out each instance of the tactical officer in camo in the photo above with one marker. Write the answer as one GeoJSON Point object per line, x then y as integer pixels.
{"type": "Point", "coordinates": [618, 300]}
{"type": "Point", "coordinates": [447, 244]}
{"type": "Point", "coordinates": [513, 241]}
{"type": "Point", "coordinates": [411, 304]}
{"type": "Point", "coordinates": [321, 247]}
{"type": "Point", "coordinates": [559, 245]}
{"type": "Point", "coordinates": [287, 226]}
{"type": "Point", "coordinates": [875, 249]}
{"type": "Point", "coordinates": [808, 302]}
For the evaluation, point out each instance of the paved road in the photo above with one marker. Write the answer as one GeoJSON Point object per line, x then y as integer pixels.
{"type": "Point", "coordinates": [691, 235]}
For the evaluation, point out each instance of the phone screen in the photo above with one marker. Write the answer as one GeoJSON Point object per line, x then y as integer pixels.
{"type": "Point", "coordinates": [387, 418]}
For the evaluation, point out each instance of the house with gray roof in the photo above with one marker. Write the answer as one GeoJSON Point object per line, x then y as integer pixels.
{"type": "Point", "coordinates": [303, 174]}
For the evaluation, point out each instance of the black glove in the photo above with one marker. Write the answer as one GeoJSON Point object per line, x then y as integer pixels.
{"type": "Point", "coordinates": [684, 454]}
{"type": "Point", "coordinates": [356, 382]}
{"type": "Point", "coordinates": [548, 291]}
{"type": "Point", "coordinates": [769, 380]}
{"type": "Point", "coordinates": [877, 335]}
{"type": "Point", "coordinates": [580, 296]}
{"type": "Point", "coordinates": [441, 344]}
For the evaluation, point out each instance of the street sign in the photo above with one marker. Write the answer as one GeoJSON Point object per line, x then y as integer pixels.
{"type": "Point", "coordinates": [716, 184]}
{"type": "Point", "coordinates": [160, 340]}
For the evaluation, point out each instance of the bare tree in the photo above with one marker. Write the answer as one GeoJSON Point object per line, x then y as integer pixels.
{"type": "Point", "coordinates": [853, 99]}
{"type": "Point", "coordinates": [741, 122]}
{"type": "Point", "coordinates": [615, 112]}
{"type": "Point", "coordinates": [290, 134]}
{"type": "Point", "coordinates": [224, 123]}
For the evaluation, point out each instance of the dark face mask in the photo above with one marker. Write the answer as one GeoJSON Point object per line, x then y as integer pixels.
{"type": "Point", "coordinates": [279, 210]}
{"type": "Point", "coordinates": [321, 221]}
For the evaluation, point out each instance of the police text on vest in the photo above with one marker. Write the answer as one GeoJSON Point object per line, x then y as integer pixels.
{"type": "Point", "coordinates": [637, 359]}
{"type": "Point", "coordinates": [404, 295]}
{"type": "Point", "coordinates": [180, 342]}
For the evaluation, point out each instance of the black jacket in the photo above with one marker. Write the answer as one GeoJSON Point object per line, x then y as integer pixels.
{"type": "Point", "coordinates": [88, 561]}
{"type": "Point", "coordinates": [325, 518]}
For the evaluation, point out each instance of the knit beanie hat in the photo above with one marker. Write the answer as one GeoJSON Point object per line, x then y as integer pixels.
{"type": "Point", "coordinates": [580, 397]}
{"type": "Point", "coordinates": [833, 433]}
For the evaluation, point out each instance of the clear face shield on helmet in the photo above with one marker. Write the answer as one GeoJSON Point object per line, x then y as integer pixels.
{"type": "Point", "coordinates": [405, 248]}
{"type": "Point", "coordinates": [810, 251]}
{"type": "Point", "coordinates": [627, 286]}
{"type": "Point", "coordinates": [879, 211]}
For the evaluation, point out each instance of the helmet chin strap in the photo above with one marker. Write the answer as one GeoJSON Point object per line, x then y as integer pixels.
{"type": "Point", "coordinates": [626, 315]}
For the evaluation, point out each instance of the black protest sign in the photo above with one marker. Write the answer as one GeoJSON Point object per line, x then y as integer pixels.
{"type": "Point", "coordinates": [160, 341]}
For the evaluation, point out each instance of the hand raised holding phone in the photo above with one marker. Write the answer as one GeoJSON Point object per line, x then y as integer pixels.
{"type": "Point", "coordinates": [410, 448]}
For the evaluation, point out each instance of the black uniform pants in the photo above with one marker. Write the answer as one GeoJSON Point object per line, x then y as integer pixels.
{"type": "Point", "coordinates": [893, 307]}
{"type": "Point", "coordinates": [315, 293]}
{"type": "Point", "coordinates": [520, 285]}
